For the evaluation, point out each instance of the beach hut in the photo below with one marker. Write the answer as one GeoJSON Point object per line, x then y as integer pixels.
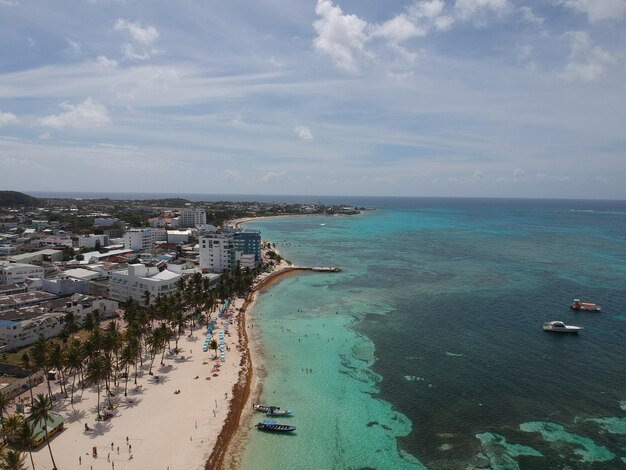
{"type": "Point", "coordinates": [39, 433]}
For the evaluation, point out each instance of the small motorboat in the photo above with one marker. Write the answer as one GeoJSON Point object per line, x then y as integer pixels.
{"type": "Point", "coordinates": [274, 426]}
{"type": "Point", "coordinates": [585, 306]}
{"type": "Point", "coordinates": [279, 412]}
{"type": "Point", "coordinates": [557, 326]}
{"type": "Point", "coordinates": [264, 408]}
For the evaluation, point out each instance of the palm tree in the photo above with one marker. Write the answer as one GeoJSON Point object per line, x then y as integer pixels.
{"type": "Point", "coordinates": [73, 361]}
{"type": "Point", "coordinates": [11, 425]}
{"type": "Point", "coordinates": [70, 324]}
{"type": "Point", "coordinates": [146, 296]}
{"type": "Point", "coordinates": [23, 439]}
{"type": "Point", "coordinates": [179, 321]}
{"type": "Point", "coordinates": [28, 365]}
{"type": "Point", "coordinates": [213, 345]}
{"type": "Point", "coordinates": [56, 361]}
{"type": "Point", "coordinates": [97, 371]}
{"type": "Point", "coordinates": [14, 460]}
{"type": "Point", "coordinates": [4, 404]}
{"type": "Point", "coordinates": [41, 411]}
{"type": "Point", "coordinates": [128, 358]}
{"type": "Point", "coordinates": [41, 359]}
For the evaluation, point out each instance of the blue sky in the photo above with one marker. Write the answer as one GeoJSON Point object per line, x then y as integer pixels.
{"type": "Point", "coordinates": [501, 98]}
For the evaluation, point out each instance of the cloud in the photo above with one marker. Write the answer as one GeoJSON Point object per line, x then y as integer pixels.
{"type": "Point", "coordinates": [342, 37]}
{"type": "Point", "coordinates": [7, 119]}
{"type": "Point", "coordinates": [519, 175]}
{"type": "Point", "coordinates": [130, 53]}
{"type": "Point", "coordinates": [479, 175]}
{"type": "Point", "coordinates": [398, 29]}
{"type": "Point", "coordinates": [528, 16]}
{"type": "Point", "coordinates": [587, 62]}
{"type": "Point", "coordinates": [233, 176]}
{"type": "Point", "coordinates": [597, 10]}
{"type": "Point", "coordinates": [273, 177]}
{"type": "Point", "coordinates": [7, 3]}
{"type": "Point", "coordinates": [87, 114]}
{"type": "Point", "coordinates": [105, 62]}
{"type": "Point", "coordinates": [73, 48]}
{"type": "Point", "coordinates": [45, 136]}
{"type": "Point", "coordinates": [142, 34]}
{"type": "Point", "coordinates": [476, 9]}
{"type": "Point", "coordinates": [303, 133]}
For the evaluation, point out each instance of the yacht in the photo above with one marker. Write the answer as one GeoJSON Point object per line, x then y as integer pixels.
{"type": "Point", "coordinates": [585, 306]}
{"type": "Point", "coordinates": [558, 326]}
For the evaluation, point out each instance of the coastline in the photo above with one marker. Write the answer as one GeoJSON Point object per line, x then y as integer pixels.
{"type": "Point", "coordinates": [249, 379]}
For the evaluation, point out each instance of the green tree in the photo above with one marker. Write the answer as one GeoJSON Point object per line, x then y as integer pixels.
{"type": "Point", "coordinates": [14, 460]}
{"type": "Point", "coordinates": [41, 412]}
{"type": "Point", "coordinates": [23, 439]}
{"type": "Point", "coordinates": [73, 361]}
{"type": "Point", "coordinates": [97, 372]}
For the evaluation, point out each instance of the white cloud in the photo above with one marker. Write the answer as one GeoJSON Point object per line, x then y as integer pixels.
{"type": "Point", "coordinates": [597, 10]}
{"type": "Point", "coordinates": [143, 34]}
{"type": "Point", "coordinates": [130, 53]}
{"type": "Point", "coordinates": [7, 3]}
{"type": "Point", "coordinates": [7, 118]}
{"type": "Point", "coordinates": [87, 114]}
{"type": "Point", "coordinates": [45, 136]}
{"type": "Point", "coordinates": [528, 16]}
{"type": "Point", "coordinates": [233, 176]}
{"type": "Point", "coordinates": [587, 62]}
{"type": "Point", "coordinates": [104, 61]}
{"type": "Point", "coordinates": [468, 9]}
{"type": "Point", "coordinates": [479, 175]}
{"type": "Point", "coordinates": [303, 133]}
{"type": "Point", "coordinates": [519, 175]}
{"type": "Point", "coordinates": [342, 37]}
{"type": "Point", "coordinates": [73, 47]}
{"type": "Point", "coordinates": [273, 177]}
{"type": "Point", "coordinates": [398, 29]}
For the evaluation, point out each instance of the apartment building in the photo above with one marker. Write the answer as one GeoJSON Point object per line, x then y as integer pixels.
{"type": "Point", "coordinates": [16, 273]}
{"type": "Point", "coordinates": [134, 281]}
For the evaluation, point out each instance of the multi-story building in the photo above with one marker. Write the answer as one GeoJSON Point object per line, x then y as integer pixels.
{"type": "Point", "coordinates": [222, 251]}
{"type": "Point", "coordinates": [26, 325]}
{"type": "Point", "coordinates": [90, 241]}
{"type": "Point", "coordinates": [191, 216]}
{"type": "Point", "coordinates": [15, 273]}
{"type": "Point", "coordinates": [248, 242]}
{"type": "Point", "coordinates": [139, 239]}
{"type": "Point", "coordinates": [217, 252]}
{"type": "Point", "coordinates": [139, 278]}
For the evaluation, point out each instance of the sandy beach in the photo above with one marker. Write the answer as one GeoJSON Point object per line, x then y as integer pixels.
{"type": "Point", "coordinates": [153, 427]}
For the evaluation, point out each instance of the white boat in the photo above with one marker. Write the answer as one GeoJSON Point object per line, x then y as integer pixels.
{"type": "Point", "coordinates": [558, 326]}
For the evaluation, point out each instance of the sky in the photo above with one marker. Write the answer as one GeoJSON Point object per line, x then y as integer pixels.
{"type": "Point", "coordinates": [472, 98]}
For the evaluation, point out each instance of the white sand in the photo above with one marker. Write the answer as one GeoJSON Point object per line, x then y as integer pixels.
{"type": "Point", "coordinates": [165, 430]}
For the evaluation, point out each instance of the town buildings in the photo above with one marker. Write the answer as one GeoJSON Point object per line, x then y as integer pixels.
{"type": "Point", "coordinates": [229, 248]}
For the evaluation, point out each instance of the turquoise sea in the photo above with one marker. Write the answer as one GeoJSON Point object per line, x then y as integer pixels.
{"type": "Point", "coordinates": [427, 349]}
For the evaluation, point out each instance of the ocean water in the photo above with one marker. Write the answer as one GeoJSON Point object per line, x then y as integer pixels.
{"type": "Point", "coordinates": [427, 350]}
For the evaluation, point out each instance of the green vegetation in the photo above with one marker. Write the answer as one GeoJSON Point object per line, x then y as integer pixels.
{"type": "Point", "coordinates": [16, 199]}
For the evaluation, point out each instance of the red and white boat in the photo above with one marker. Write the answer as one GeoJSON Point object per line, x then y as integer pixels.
{"type": "Point", "coordinates": [585, 306]}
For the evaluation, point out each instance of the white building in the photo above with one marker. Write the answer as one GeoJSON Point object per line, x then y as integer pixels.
{"type": "Point", "coordinates": [90, 241]}
{"type": "Point", "coordinates": [217, 252]}
{"type": "Point", "coordinates": [178, 236]}
{"type": "Point", "coordinates": [137, 279]}
{"type": "Point", "coordinates": [139, 239]}
{"type": "Point", "coordinates": [47, 320]}
{"type": "Point", "coordinates": [191, 216]}
{"type": "Point", "coordinates": [15, 273]}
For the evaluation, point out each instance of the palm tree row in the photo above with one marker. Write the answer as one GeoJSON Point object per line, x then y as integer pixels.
{"type": "Point", "coordinates": [109, 353]}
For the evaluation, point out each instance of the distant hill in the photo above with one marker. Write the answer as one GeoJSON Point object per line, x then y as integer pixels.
{"type": "Point", "coordinates": [15, 198]}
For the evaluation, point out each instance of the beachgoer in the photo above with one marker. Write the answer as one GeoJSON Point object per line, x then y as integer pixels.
{"type": "Point", "coordinates": [118, 449]}
{"type": "Point", "coordinates": [80, 460]}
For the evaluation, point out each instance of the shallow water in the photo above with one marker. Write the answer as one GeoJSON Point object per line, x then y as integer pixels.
{"type": "Point", "coordinates": [428, 346]}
